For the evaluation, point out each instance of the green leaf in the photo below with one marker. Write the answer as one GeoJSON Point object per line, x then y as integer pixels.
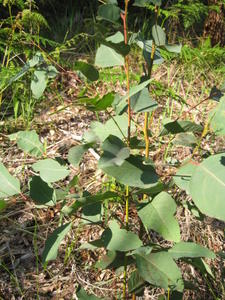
{"type": "Point", "coordinates": [53, 241]}
{"type": "Point", "coordinates": [135, 89]}
{"type": "Point", "coordinates": [142, 102]}
{"type": "Point", "coordinates": [28, 141]}
{"type": "Point", "coordinates": [146, 45]}
{"type": "Point", "coordinates": [156, 2]}
{"type": "Point", "coordinates": [135, 282]}
{"type": "Point", "coordinates": [142, 250]}
{"type": "Point", "coordinates": [143, 3]}
{"type": "Point", "coordinates": [185, 139]}
{"type": "Point", "coordinates": [50, 170]}
{"type": "Point", "coordinates": [173, 48]}
{"type": "Point", "coordinates": [112, 2]}
{"type": "Point", "coordinates": [120, 47]}
{"type": "Point", "coordinates": [133, 172]}
{"type": "Point", "coordinates": [189, 205]}
{"type": "Point", "coordinates": [37, 59]}
{"type": "Point", "coordinates": [113, 260]}
{"type": "Point", "coordinates": [76, 153]}
{"type": "Point", "coordinates": [207, 186]}
{"type": "Point", "coordinates": [200, 264]}
{"type": "Point", "coordinates": [109, 12]}
{"type": "Point", "coordinates": [41, 192]}
{"type": "Point", "coordinates": [108, 57]}
{"type": "Point", "coordinates": [82, 295]}
{"type": "Point", "coordinates": [175, 127]}
{"type": "Point", "coordinates": [106, 260]}
{"type": "Point", "coordinates": [136, 143]}
{"type": "Point", "coordinates": [92, 213]}
{"type": "Point", "coordinates": [20, 74]}
{"type": "Point", "coordinates": [105, 102]}
{"type": "Point", "coordinates": [159, 35]}
{"type": "Point", "coordinates": [139, 98]}
{"type": "Point", "coordinates": [159, 269]}
{"type": "Point", "coordinates": [98, 104]}
{"type": "Point", "coordinates": [39, 83]}
{"type": "Point", "coordinates": [183, 176]}
{"type": "Point", "coordinates": [2, 205]}
{"type": "Point", "coordinates": [159, 216]}
{"type": "Point", "coordinates": [74, 182]}
{"type": "Point", "coordinates": [217, 117]}
{"type": "Point", "coordinates": [159, 187]}
{"type": "Point", "coordinates": [189, 249]}
{"type": "Point", "coordinates": [86, 201]}
{"type": "Point", "coordinates": [116, 239]}
{"type": "Point", "coordinates": [115, 152]}
{"type": "Point", "coordinates": [9, 185]}
{"type": "Point", "coordinates": [51, 72]}
{"type": "Point", "coordinates": [99, 132]}
{"type": "Point", "coordinates": [87, 70]}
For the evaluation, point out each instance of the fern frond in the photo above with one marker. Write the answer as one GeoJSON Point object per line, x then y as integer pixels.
{"type": "Point", "coordinates": [34, 19]}
{"type": "Point", "coordinates": [191, 13]}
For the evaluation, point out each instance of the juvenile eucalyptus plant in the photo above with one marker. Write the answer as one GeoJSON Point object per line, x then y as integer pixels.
{"type": "Point", "coordinates": [124, 158]}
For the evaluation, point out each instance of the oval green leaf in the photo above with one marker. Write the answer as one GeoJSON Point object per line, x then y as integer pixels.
{"type": "Point", "coordinates": [207, 186]}
{"type": "Point", "coordinates": [41, 192]}
{"type": "Point", "coordinates": [108, 57]}
{"type": "Point", "coordinates": [39, 83]}
{"type": "Point", "coordinates": [82, 295]}
{"type": "Point", "coordinates": [76, 153]}
{"type": "Point", "coordinates": [109, 12]}
{"type": "Point", "coordinates": [9, 185]}
{"type": "Point", "coordinates": [159, 269]}
{"type": "Point", "coordinates": [99, 131]}
{"type": "Point", "coordinates": [50, 170]}
{"type": "Point", "coordinates": [159, 35]}
{"type": "Point", "coordinates": [218, 118]}
{"type": "Point", "coordinates": [175, 127]}
{"type": "Point", "coordinates": [183, 176]}
{"type": "Point", "coordinates": [53, 241]}
{"type": "Point", "coordinates": [116, 239]}
{"type": "Point", "coordinates": [115, 152]}
{"type": "Point", "coordinates": [189, 249]}
{"type": "Point", "coordinates": [29, 142]}
{"type": "Point", "coordinates": [133, 172]}
{"type": "Point", "coordinates": [159, 216]}
{"type": "Point", "coordinates": [87, 70]}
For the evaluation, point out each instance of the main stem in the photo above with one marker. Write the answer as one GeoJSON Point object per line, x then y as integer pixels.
{"type": "Point", "coordinates": [126, 68]}
{"type": "Point", "coordinates": [146, 135]}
